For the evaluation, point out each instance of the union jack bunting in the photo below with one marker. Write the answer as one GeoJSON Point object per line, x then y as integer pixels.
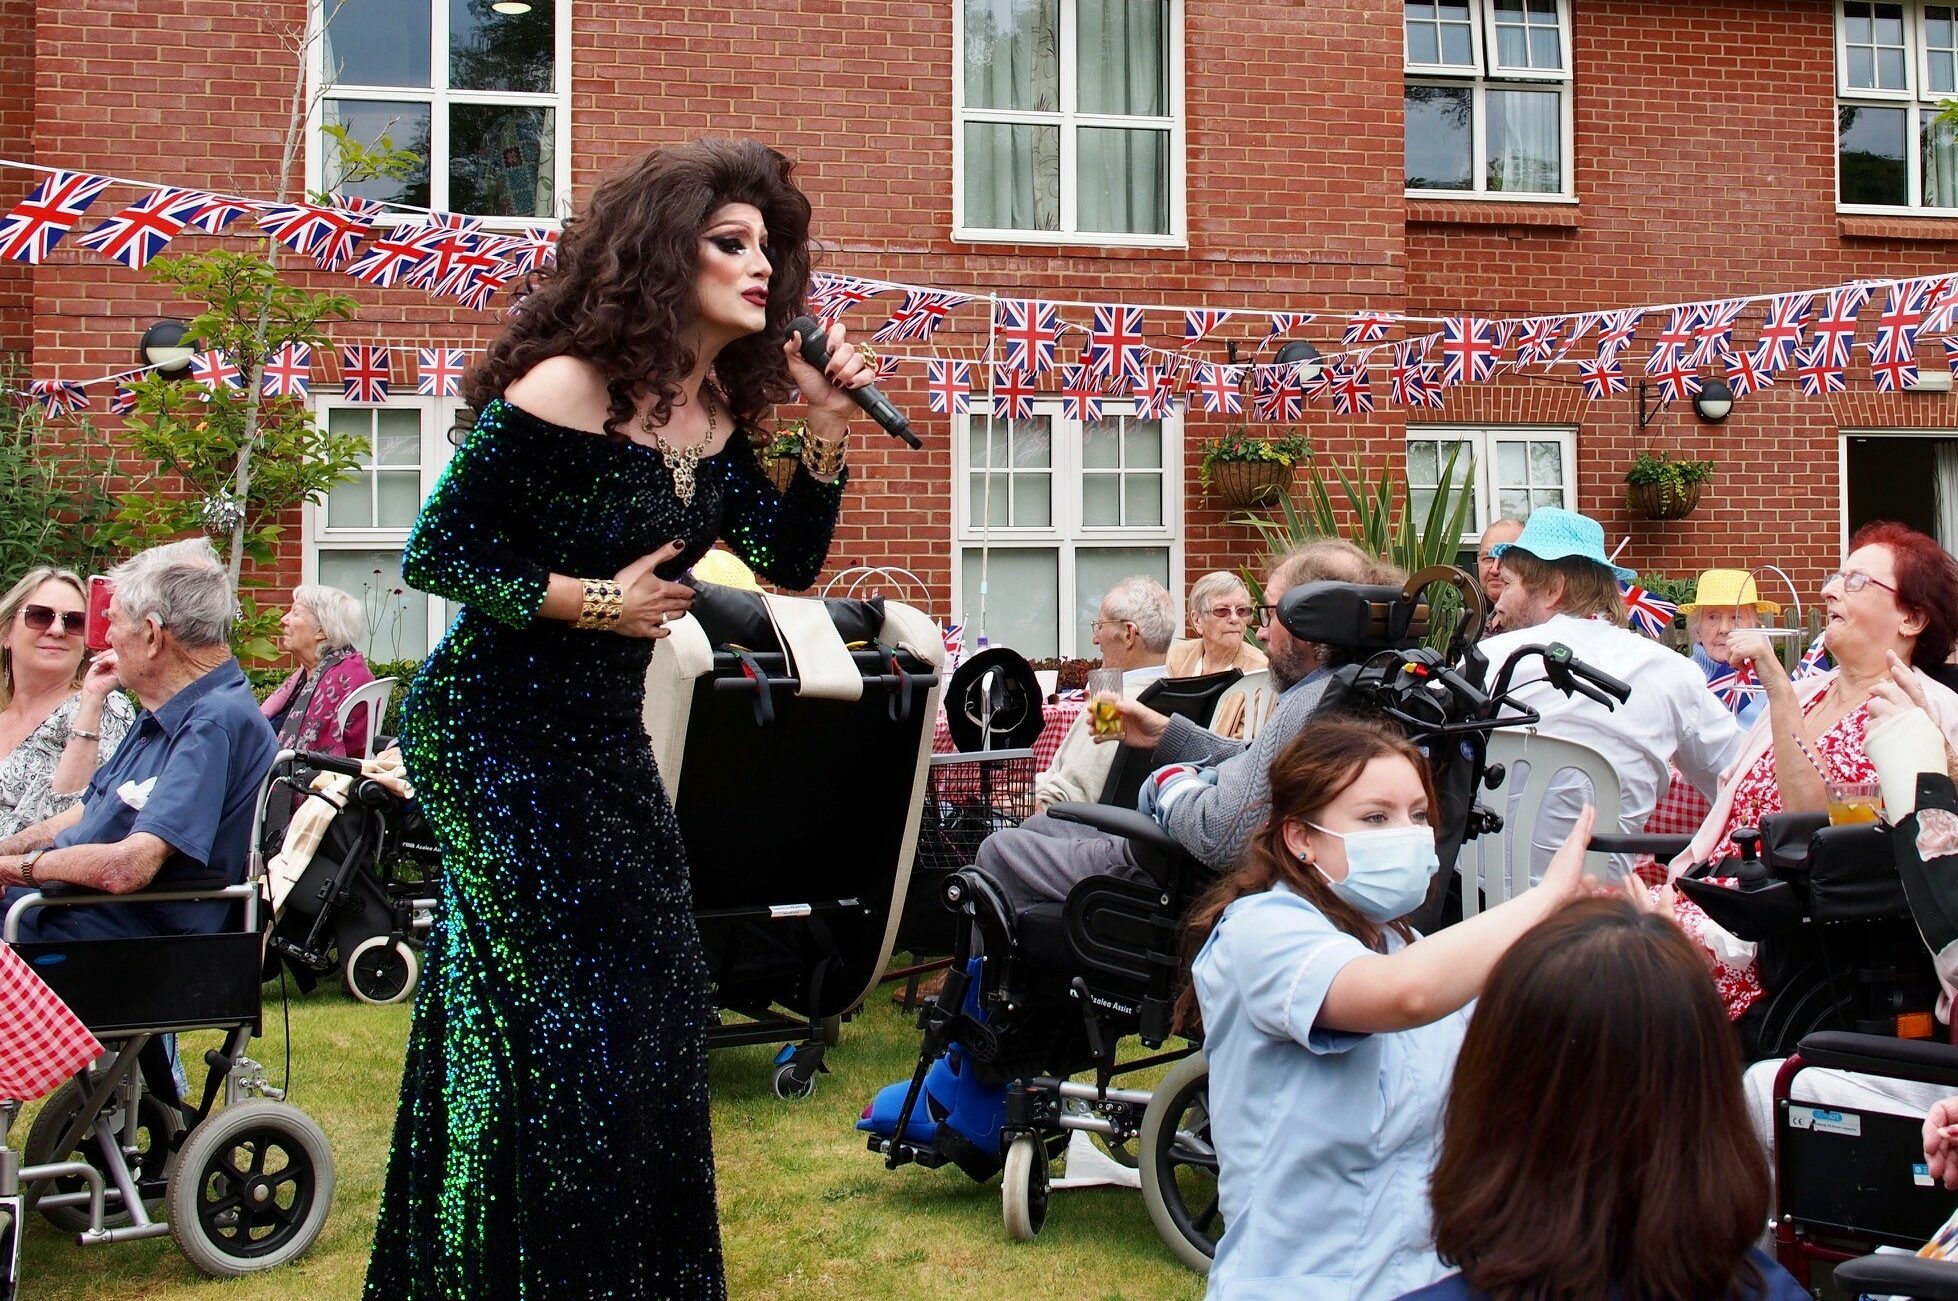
{"type": "Point", "coordinates": [1197, 322]}
{"type": "Point", "coordinates": [1896, 328]}
{"type": "Point", "coordinates": [1535, 340]}
{"type": "Point", "coordinates": [467, 266]}
{"type": "Point", "coordinates": [1940, 304]}
{"type": "Point", "coordinates": [1814, 660]}
{"type": "Point", "coordinates": [1221, 388]}
{"type": "Point", "coordinates": [1012, 394]}
{"type": "Point", "coordinates": [887, 367]}
{"type": "Point", "coordinates": [145, 228]}
{"type": "Point", "coordinates": [1835, 329]}
{"type": "Point", "coordinates": [391, 257]}
{"type": "Point", "coordinates": [831, 296]}
{"type": "Point", "coordinates": [1352, 388]}
{"type": "Point", "coordinates": [1429, 385]}
{"type": "Point", "coordinates": [1319, 387]}
{"type": "Point", "coordinates": [1283, 323]}
{"type": "Point", "coordinates": [536, 246]}
{"type": "Point", "coordinates": [1030, 331]}
{"type": "Point", "coordinates": [1782, 329]}
{"type": "Point", "coordinates": [440, 372]}
{"type": "Point", "coordinates": [365, 370]}
{"type": "Point", "coordinates": [954, 637]}
{"type": "Point", "coordinates": [1817, 368]}
{"type": "Point", "coordinates": [1950, 352]}
{"type": "Point", "coordinates": [1672, 342]}
{"type": "Point", "coordinates": [1615, 332]}
{"type": "Point", "coordinates": [1747, 372]}
{"type": "Point", "coordinates": [1734, 687]}
{"type": "Point", "coordinates": [214, 369]}
{"type": "Point", "coordinates": [58, 396]}
{"type": "Point", "coordinates": [1645, 612]}
{"type": "Point", "coordinates": [36, 224]}
{"type": "Point", "coordinates": [920, 315]}
{"type": "Point", "coordinates": [1278, 394]}
{"type": "Point", "coordinates": [1713, 330]}
{"type": "Point", "coordinates": [482, 287]}
{"type": "Point", "coordinates": [448, 240]}
{"type": "Point", "coordinates": [1081, 395]}
{"type": "Point", "coordinates": [1155, 394]}
{"type": "Point", "coordinates": [948, 386]}
{"type": "Point", "coordinates": [288, 372]}
{"type": "Point", "coordinates": [1892, 372]}
{"type": "Point", "coordinates": [1676, 378]}
{"type": "Point", "coordinates": [123, 401]}
{"type": "Point", "coordinates": [1404, 379]}
{"type": "Point", "coordinates": [1580, 325]}
{"type": "Point", "coordinates": [219, 212]}
{"type": "Point", "coordinates": [1367, 327]}
{"type": "Point", "coordinates": [1115, 349]}
{"type": "Point", "coordinates": [326, 234]}
{"type": "Point", "coordinates": [1601, 378]}
{"type": "Point", "coordinates": [1469, 350]}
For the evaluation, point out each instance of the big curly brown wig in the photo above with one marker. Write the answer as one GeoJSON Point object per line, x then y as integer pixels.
{"type": "Point", "coordinates": [621, 292]}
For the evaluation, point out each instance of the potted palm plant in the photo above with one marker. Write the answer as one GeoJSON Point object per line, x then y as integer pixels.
{"type": "Point", "coordinates": [1246, 471]}
{"type": "Point", "coordinates": [1661, 488]}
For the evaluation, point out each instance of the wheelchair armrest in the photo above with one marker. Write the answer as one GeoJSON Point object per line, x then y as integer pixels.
{"type": "Point", "coordinates": [1870, 1054]}
{"type": "Point", "coordinates": [1155, 852]}
{"type": "Point", "coordinates": [67, 894]}
{"type": "Point", "coordinates": [1899, 1274]}
{"type": "Point", "coordinates": [1660, 847]}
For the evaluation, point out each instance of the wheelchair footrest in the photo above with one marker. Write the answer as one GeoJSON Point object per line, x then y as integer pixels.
{"type": "Point", "coordinates": [906, 1153]}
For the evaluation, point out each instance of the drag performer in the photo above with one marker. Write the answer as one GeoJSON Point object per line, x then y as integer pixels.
{"type": "Point", "coordinates": [553, 1133]}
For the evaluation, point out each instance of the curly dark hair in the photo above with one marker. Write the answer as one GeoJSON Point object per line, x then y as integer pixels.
{"type": "Point", "coordinates": [621, 291]}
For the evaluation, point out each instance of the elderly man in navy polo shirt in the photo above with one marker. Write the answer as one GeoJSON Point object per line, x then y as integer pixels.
{"type": "Point", "coordinates": [176, 798]}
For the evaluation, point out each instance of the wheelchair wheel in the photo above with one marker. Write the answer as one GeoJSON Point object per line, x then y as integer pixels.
{"type": "Point", "coordinates": [251, 1188]}
{"type": "Point", "coordinates": [382, 971]}
{"type": "Point", "coordinates": [1797, 1010]}
{"type": "Point", "coordinates": [157, 1127]}
{"type": "Point", "coordinates": [793, 1081]}
{"type": "Point", "coordinates": [1179, 1164]}
{"type": "Point", "coordinates": [1023, 1188]}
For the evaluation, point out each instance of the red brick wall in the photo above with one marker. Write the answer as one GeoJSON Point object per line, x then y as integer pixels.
{"type": "Point", "coordinates": [16, 141]}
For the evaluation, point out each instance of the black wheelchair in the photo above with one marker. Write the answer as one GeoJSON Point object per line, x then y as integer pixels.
{"type": "Point", "coordinates": [114, 1153]}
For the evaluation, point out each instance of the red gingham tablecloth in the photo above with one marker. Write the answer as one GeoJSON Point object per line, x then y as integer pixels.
{"type": "Point", "coordinates": [42, 1043]}
{"type": "Point", "coordinates": [1059, 715]}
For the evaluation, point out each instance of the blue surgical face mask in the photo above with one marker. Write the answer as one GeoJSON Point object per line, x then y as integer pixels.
{"type": "Point", "coordinates": [1387, 869]}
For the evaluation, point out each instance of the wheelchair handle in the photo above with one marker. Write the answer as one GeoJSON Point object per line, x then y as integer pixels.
{"type": "Point", "coordinates": [330, 763]}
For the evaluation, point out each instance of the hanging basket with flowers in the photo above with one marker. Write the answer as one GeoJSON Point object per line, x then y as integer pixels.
{"type": "Point", "coordinates": [1660, 488]}
{"type": "Point", "coordinates": [781, 453]}
{"type": "Point", "coordinates": [1245, 471]}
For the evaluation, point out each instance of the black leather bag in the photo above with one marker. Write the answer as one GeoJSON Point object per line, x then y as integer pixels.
{"type": "Point", "coordinates": [733, 616]}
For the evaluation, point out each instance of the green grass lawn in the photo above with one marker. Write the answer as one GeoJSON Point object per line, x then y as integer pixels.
{"type": "Point", "coordinates": [805, 1210]}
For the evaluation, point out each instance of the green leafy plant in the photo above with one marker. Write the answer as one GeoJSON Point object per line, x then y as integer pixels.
{"type": "Point", "coordinates": [53, 492]}
{"type": "Point", "coordinates": [1238, 443]}
{"type": "Point", "coordinates": [1679, 591]}
{"type": "Point", "coordinates": [786, 441]}
{"type": "Point", "coordinates": [1673, 481]}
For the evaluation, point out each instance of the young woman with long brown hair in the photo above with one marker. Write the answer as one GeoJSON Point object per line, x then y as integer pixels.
{"type": "Point", "coordinates": [1331, 1026]}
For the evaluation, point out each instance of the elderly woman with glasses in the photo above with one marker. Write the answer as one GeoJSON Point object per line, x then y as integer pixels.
{"type": "Point", "coordinates": [319, 630]}
{"type": "Point", "coordinates": [1221, 614]}
{"type": "Point", "coordinates": [54, 733]}
{"type": "Point", "coordinates": [1892, 613]}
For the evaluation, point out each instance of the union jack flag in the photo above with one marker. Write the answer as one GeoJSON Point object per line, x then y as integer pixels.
{"type": "Point", "coordinates": [887, 367]}
{"type": "Point", "coordinates": [954, 636]}
{"type": "Point", "coordinates": [1284, 323]}
{"type": "Point", "coordinates": [124, 400]}
{"type": "Point", "coordinates": [1319, 387]}
{"type": "Point", "coordinates": [214, 370]}
{"type": "Point", "coordinates": [1012, 394]}
{"type": "Point", "coordinates": [920, 315]}
{"type": "Point", "coordinates": [948, 386]}
{"type": "Point", "coordinates": [1713, 331]}
{"type": "Point", "coordinates": [1430, 385]}
{"type": "Point", "coordinates": [390, 258]}
{"type": "Point", "coordinates": [1601, 378]}
{"type": "Point", "coordinates": [1155, 394]}
{"type": "Point", "coordinates": [327, 234]}
{"type": "Point", "coordinates": [1278, 396]}
{"type": "Point", "coordinates": [1835, 329]}
{"type": "Point", "coordinates": [1646, 612]}
{"type": "Point", "coordinates": [1469, 350]}
{"type": "Point", "coordinates": [58, 396]}
{"type": "Point", "coordinates": [1950, 352]}
{"type": "Point", "coordinates": [1734, 687]}
{"type": "Point", "coordinates": [536, 246]}
{"type": "Point", "coordinates": [1677, 378]}
{"type": "Point", "coordinates": [1115, 349]}
{"type": "Point", "coordinates": [37, 223]}
{"type": "Point", "coordinates": [1405, 383]}
{"type": "Point", "coordinates": [448, 240]}
{"type": "Point", "coordinates": [288, 372]}
{"type": "Point", "coordinates": [1892, 372]}
{"type": "Point", "coordinates": [1221, 388]}
{"type": "Point", "coordinates": [481, 287]}
{"type": "Point", "coordinates": [1940, 304]}
{"type": "Point", "coordinates": [1747, 371]}
{"type": "Point", "coordinates": [1580, 325]}
{"type": "Point", "coordinates": [1081, 395]}
{"type": "Point", "coordinates": [1031, 331]}
{"type": "Point", "coordinates": [365, 370]}
{"type": "Point", "coordinates": [440, 374]}
{"type": "Point", "coordinates": [1782, 329]}
{"type": "Point", "coordinates": [219, 212]}
{"type": "Point", "coordinates": [831, 296]}
{"type": "Point", "coordinates": [1536, 340]}
{"type": "Point", "coordinates": [1814, 660]}
{"type": "Point", "coordinates": [1673, 341]}
{"type": "Point", "coordinates": [1896, 328]}
{"type": "Point", "coordinates": [1198, 322]}
{"type": "Point", "coordinates": [1367, 327]}
{"type": "Point", "coordinates": [1819, 371]}
{"type": "Point", "coordinates": [467, 266]}
{"type": "Point", "coordinates": [1352, 389]}
{"type": "Point", "coordinates": [145, 228]}
{"type": "Point", "coordinates": [1616, 331]}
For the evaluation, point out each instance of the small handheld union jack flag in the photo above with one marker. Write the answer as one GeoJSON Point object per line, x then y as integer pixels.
{"type": "Point", "coordinates": [920, 315]}
{"type": "Point", "coordinates": [1782, 329]}
{"type": "Point", "coordinates": [1115, 349]}
{"type": "Point", "coordinates": [1817, 368]}
{"type": "Point", "coordinates": [1012, 394]}
{"type": "Point", "coordinates": [1814, 660]}
{"type": "Point", "coordinates": [36, 224]}
{"type": "Point", "coordinates": [365, 370]}
{"type": "Point", "coordinates": [954, 636]}
{"type": "Point", "coordinates": [214, 370]}
{"type": "Point", "coordinates": [1198, 322]}
{"type": "Point", "coordinates": [1645, 612]}
{"type": "Point", "coordinates": [145, 228]}
{"type": "Point", "coordinates": [1469, 350]}
{"type": "Point", "coordinates": [1081, 395]}
{"type": "Point", "coordinates": [440, 372]}
{"type": "Point", "coordinates": [1601, 378]}
{"type": "Point", "coordinates": [1367, 327]}
{"type": "Point", "coordinates": [1278, 395]}
{"type": "Point", "coordinates": [948, 386]}
{"type": "Point", "coordinates": [288, 372]}
{"type": "Point", "coordinates": [1030, 331]}
{"type": "Point", "coordinates": [1734, 688]}
{"type": "Point", "coordinates": [1835, 329]}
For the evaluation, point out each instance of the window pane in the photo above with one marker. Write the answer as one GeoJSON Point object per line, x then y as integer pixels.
{"type": "Point", "coordinates": [1423, 44]}
{"type": "Point", "coordinates": [1513, 503]}
{"type": "Point", "coordinates": [1525, 149]}
{"type": "Point", "coordinates": [1022, 602]}
{"type": "Point", "coordinates": [1142, 499]}
{"type": "Point", "coordinates": [397, 499]}
{"type": "Point", "coordinates": [1547, 497]}
{"type": "Point", "coordinates": [1511, 466]}
{"type": "Point", "coordinates": [397, 616]}
{"type": "Point", "coordinates": [376, 43]}
{"type": "Point", "coordinates": [350, 503]}
{"type": "Point", "coordinates": [1940, 144]}
{"type": "Point", "coordinates": [983, 437]}
{"type": "Point", "coordinates": [1939, 66]}
{"type": "Point", "coordinates": [1457, 46]}
{"type": "Point", "coordinates": [1033, 501]}
{"type": "Point", "coordinates": [1862, 67]}
{"type": "Point", "coordinates": [1033, 442]}
{"type": "Point", "coordinates": [399, 433]}
{"type": "Point", "coordinates": [1423, 464]}
{"type": "Point", "coordinates": [1101, 500]}
{"type": "Point", "coordinates": [1438, 145]}
{"type": "Point", "coordinates": [1012, 176]}
{"type": "Point", "coordinates": [1101, 447]}
{"type": "Point", "coordinates": [1856, 23]}
{"type": "Point", "coordinates": [1122, 182]}
{"type": "Point", "coordinates": [1012, 55]}
{"type": "Point", "coordinates": [987, 507]}
{"type": "Point", "coordinates": [403, 122]}
{"type": "Point", "coordinates": [1144, 440]}
{"type": "Point", "coordinates": [1546, 50]}
{"type": "Point", "coordinates": [1122, 57]}
{"type": "Point", "coordinates": [493, 51]}
{"type": "Point", "coordinates": [1890, 68]}
{"type": "Point", "coordinates": [1889, 26]}
{"type": "Point", "coordinates": [1512, 47]}
{"type": "Point", "coordinates": [1546, 463]}
{"type": "Point", "coordinates": [502, 160]}
{"type": "Point", "coordinates": [1096, 569]}
{"type": "Point", "coordinates": [1870, 142]}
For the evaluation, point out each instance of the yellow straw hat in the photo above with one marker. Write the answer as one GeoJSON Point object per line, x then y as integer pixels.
{"type": "Point", "coordinates": [1723, 589]}
{"type": "Point", "coordinates": [725, 568]}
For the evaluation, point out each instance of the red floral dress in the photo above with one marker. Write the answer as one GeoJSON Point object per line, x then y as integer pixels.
{"type": "Point", "coordinates": [1757, 795]}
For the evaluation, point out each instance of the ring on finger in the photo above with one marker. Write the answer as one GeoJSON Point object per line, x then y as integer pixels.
{"type": "Point", "coordinates": [868, 353]}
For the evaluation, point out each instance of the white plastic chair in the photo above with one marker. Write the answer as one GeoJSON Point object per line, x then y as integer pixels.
{"type": "Point", "coordinates": [1260, 700]}
{"type": "Point", "coordinates": [1497, 866]}
{"type": "Point", "coordinates": [372, 697]}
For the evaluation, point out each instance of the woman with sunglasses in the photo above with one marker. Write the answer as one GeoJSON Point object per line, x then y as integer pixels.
{"type": "Point", "coordinates": [1892, 606]}
{"type": "Point", "coordinates": [1221, 613]}
{"type": "Point", "coordinates": [54, 732]}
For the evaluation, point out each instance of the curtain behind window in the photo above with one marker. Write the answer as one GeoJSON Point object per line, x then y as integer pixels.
{"type": "Point", "coordinates": [1947, 472]}
{"type": "Point", "coordinates": [1012, 61]}
{"type": "Point", "coordinates": [1122, 176]}
{"type": "Point", "coordinates": [1525, 153]}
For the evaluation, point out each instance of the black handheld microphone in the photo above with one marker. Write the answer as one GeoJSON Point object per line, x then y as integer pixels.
{"type": "Point", "coordinates": [815, 351]}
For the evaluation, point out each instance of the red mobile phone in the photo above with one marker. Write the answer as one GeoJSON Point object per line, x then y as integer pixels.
{"type": "Point", "coordinates": [95, 630]}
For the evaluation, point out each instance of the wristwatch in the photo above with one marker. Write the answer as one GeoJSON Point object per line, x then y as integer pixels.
{"type": "Point", "coordinates": [27, 862]}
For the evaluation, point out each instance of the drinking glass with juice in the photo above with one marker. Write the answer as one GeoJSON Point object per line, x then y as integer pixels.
{"type": "Point", "coordinates": [1104, 716]}
{"type": "Point", "coordinates": [1853, 802]}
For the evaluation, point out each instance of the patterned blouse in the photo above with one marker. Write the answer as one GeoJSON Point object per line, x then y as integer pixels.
{"type": "Point", "coordinates": [27, 774]}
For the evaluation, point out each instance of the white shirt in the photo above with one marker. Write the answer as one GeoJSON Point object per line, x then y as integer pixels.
{"type": "Point", "coordinates": [1670, 717]}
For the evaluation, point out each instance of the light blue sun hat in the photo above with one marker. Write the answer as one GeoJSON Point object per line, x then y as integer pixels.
{"type": "Point", "coordinates": [1555, 534]}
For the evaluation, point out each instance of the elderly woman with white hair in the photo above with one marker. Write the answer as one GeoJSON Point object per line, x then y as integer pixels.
{"type": "Point", "coordinates": [319, 631]}
{"type": "Point", "coordinates": [1220, 613]}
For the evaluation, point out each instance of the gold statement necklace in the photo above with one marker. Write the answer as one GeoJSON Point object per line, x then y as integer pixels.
{"type": "Point", "coordinates": [681, 462]}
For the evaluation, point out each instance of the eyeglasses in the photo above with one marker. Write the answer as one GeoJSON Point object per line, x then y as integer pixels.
{"type": "Point", "coordinates": [41, 618]}
{"type": "Point", "coordinates": [1267, 614]}
{"type": "Point", "coordinates": [1855, 580]}
{"type": "Point", "coordinates": [1099, 624]}
{"type": "Point", "coordinates": [1226, 611]}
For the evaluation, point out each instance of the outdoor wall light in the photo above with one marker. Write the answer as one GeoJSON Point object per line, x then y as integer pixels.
{"type": "Point", "coordinates": [511, 7]}
{"type": "Point", "coordinates": [1305, 354]}
{"type": "Point", "coordinates": [166, 346]}
{"type": "Point", "coordinates": [1714, 401]}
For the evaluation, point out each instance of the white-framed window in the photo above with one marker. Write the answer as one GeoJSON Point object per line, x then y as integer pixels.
{"type": "Point", "coordinates": [1894, 63]}
{"type": "Point", "coordinates": [482, 95]}
{"type": "Point", "coordinates": [354, 537]}
{"type": "Point", "coordinates": [1512, 471]}
{"type": "Point", "coordinates": [1050, 513]}
{"type": "Point", "coordinates": [1068, 121]}
{"type": "Point", "coordinates": [1488, 98]}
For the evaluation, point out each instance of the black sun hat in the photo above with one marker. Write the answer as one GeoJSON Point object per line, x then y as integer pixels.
{"type": "Point", "coordinates": [1002, 677]}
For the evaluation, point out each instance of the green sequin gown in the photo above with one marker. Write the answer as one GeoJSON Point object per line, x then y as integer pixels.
{"type": "Point", "coordinates": [553, 1133]}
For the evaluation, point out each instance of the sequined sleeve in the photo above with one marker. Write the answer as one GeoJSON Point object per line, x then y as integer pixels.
{"type": "Point", "coordinates": [784, 537]}
{"type": "Point", "coordinates": [459, 549]}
